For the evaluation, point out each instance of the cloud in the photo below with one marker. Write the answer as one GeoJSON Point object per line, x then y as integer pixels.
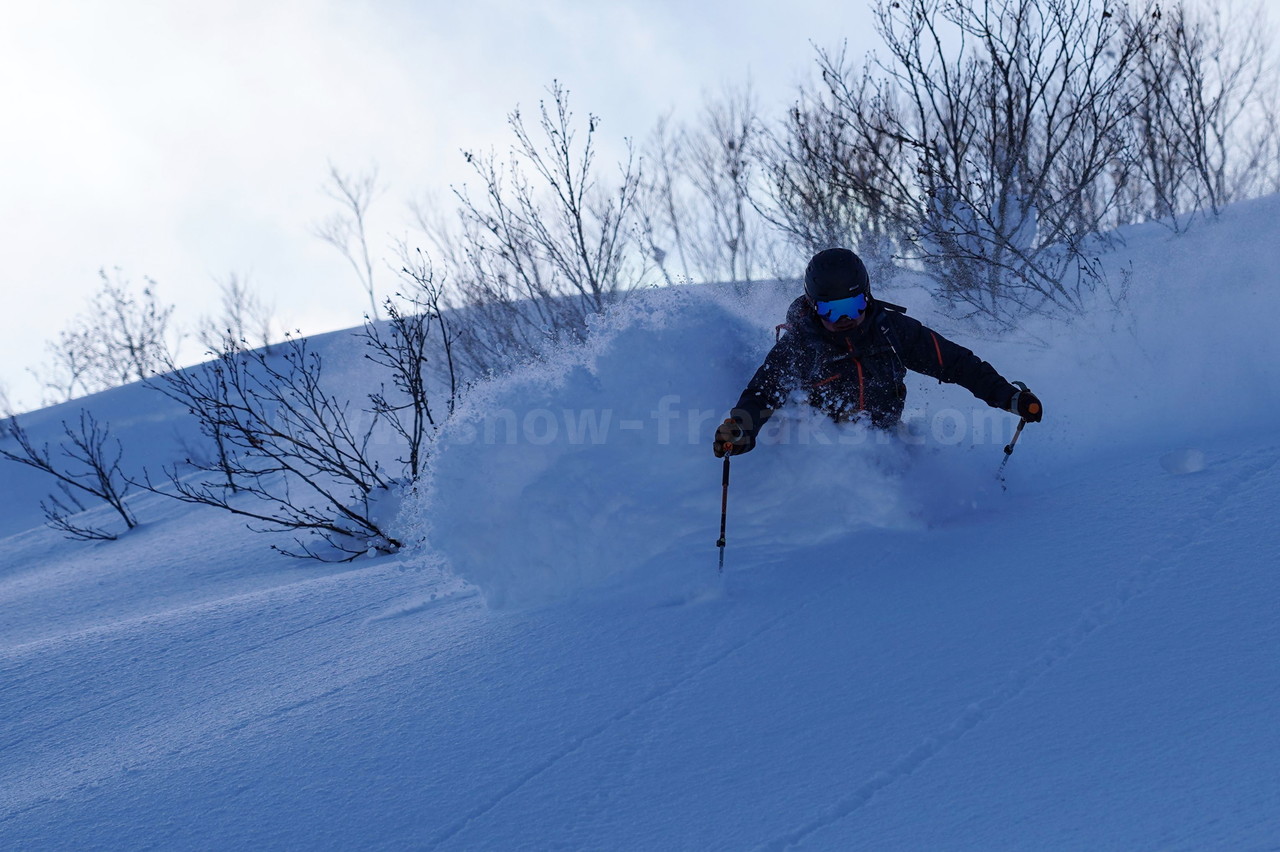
{"type": "Point", "coordinates": [184, 140]}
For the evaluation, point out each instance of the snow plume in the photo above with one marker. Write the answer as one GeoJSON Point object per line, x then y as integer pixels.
{"type": "Point", "coordinates": [575, 473]}
{"type": "Point", "coordinates": [593, 467]}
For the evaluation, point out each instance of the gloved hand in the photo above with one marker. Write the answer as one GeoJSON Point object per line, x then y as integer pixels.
{"type": "Point", "coordinates": [1027, 405]}
{"type": "Point", "coordinates": [731, 439]}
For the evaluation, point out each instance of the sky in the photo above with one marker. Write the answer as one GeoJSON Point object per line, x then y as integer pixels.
{"type": "Point", "coordinates": [184, 141]}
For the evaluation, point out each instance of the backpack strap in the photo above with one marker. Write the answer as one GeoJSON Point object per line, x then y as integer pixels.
{"type": "Point", "coordinates": [889, 336]}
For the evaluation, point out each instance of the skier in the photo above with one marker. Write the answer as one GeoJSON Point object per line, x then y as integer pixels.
{"type": "Point", "coordinates": [851, 352]}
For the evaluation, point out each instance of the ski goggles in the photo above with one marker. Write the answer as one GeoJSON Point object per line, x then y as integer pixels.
{"type": "Point", "coordinates": [838, 309]}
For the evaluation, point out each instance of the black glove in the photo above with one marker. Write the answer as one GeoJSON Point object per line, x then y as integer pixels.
{"type": "Point", "coordinates": [731, 439]}
{"type": "Point", "coordinates": [1027, 405]}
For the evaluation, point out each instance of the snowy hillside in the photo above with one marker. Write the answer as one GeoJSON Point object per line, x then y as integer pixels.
{"type": "Point", "coordinates": [899, 655]}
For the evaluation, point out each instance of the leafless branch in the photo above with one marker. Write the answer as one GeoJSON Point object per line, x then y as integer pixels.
{"type": "Point", "coordinates": [545, 244]}
{"type": "Point", "coordinates": [88, 462]}
{"type": "Point", "coordinates": [122, 337]}
{"type": "Point", "coordinates": [243, 321]}
{"type": "Point", "coordinates": [347, 229]}
{"type": "Point", "coordinates": [696, 203]}
{"type": "Point", "coordinates": [292, 455]}
{"type": "Point", "coordinates": [403, 346]}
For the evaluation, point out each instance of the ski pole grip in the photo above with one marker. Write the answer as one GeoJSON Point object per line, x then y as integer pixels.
{"type": "Point", "coordinates": [1019, 389]}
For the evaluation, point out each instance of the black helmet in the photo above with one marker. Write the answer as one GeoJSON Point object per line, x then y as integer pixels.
{"type": "Point", "coordinates": [835, 273]}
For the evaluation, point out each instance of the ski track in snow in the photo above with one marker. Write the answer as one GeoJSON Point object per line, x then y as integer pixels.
{"type": "Point", "coordinates": [1057, 650]}
{"type": "Point", "coordinates": [451, 602]}
{"type": "Point", "coordinates": [160, 620]}
{"type": "Point", "coordinates": [578, 743]}
{"type": "Point", "coordinates": [435, 601]}
{"type": "Point", "coordinates": [150, 621]}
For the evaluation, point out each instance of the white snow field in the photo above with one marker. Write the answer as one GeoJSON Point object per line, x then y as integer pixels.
{"type": "Point", "coordinates": [899, 654]}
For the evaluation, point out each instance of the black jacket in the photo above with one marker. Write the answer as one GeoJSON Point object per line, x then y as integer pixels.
{"type": "Point", "coordinates": [860, 372]}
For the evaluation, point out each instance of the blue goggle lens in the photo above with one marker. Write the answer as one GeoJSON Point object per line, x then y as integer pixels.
{"type": "Point", "coordinates": [838, 309]}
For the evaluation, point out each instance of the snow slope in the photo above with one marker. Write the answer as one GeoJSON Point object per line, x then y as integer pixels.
{"type": "Point", "coordinates": [898, 656]}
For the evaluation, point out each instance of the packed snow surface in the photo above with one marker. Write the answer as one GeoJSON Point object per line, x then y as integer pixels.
{"type": "Point", "coordinates": [900, 654]}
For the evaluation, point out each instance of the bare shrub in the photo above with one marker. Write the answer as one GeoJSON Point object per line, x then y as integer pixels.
{"type": "Point", "coordinates": [347, 229]}
{"type": "Point", "coordinates": [663, 203]}
{"type": "Point", "coordinates": [123, 337]}
{"type": "Point", "coordinates": [293, 455]}
{"type": "Point", "coordinates": [8, 414]}
{"type": "Point", "coordinates": [546, 245]}
{"type": "Point", "coordinates": [834, 174]}
{"type": "Point", "coordinates": [243, 321]}
{"type": "Point", "coordinates": [1202, 110]}
{"type": "Point", "coordinates": [995, 144]}
{"type": "Point", "coordinates": [403, 346]}
{"type": "Point", "coordinates": [696, 205]}
{"type": "Point", "coordinates": [1012, 112]}
{"type": "Point", "coordinates": [87, 462]}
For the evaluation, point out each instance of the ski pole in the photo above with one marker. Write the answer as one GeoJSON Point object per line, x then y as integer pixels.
{"type": "Point", "coordinates": [1008, 449]}
{"type": "Point", "coordinates": [724, 507]}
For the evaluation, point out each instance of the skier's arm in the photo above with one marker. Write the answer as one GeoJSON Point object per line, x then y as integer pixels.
{"type": "Point", "coordinates": [767, 390]}
{"type": "Point", "coordinates": [925, 351]}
